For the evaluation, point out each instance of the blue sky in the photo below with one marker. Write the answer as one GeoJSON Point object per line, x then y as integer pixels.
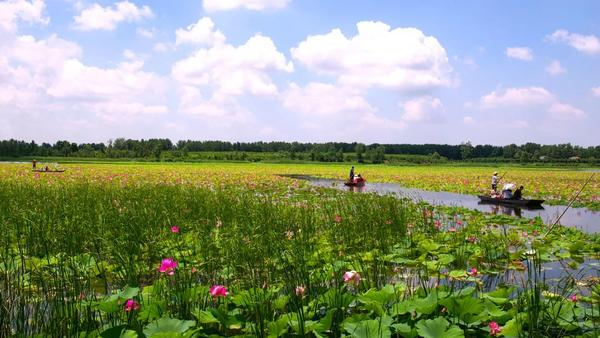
{"type": "Point", "coordinates": [489, 72]}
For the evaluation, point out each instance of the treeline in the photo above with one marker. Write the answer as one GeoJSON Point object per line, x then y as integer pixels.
{"type": "Point", "coordinates": [164, 149]}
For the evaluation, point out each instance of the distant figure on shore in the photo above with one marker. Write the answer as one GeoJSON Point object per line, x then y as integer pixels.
{"type": "Point", "coordinates": [495, 181]}
{"type": "Point", "coordinates": [352, 174]}
{"type": "Point", "coordinates": [33, 164]}
{"type": "Point", "coordinates": [518, 193]}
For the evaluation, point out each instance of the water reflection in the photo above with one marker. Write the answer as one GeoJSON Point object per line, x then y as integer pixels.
{"type": "Point", "coordinates": [498, 209]}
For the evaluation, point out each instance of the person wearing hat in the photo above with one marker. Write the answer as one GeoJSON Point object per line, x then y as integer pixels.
{"type": "Point", "coordinates": [352, 174]}
{"type": "Point", "coordinates": [495, 181]}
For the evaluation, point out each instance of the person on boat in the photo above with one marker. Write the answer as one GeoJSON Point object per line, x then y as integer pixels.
{"type": "Point", "coordinates": [352, 174]}
{"type": "Point", "coordinates": [518, 194]}
{"type": "Point", "coordinates": [358, 179]}
{"type": "Point", "coordinates": [33, 164]}
{"type": "Point", "coordinates": [495, 181]}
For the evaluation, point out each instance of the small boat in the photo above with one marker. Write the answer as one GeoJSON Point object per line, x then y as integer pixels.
{"type": "Point", "coordinates": [358, 182]}
{"type": "Point", "coordinates": [48, 171]}
{"type": "Point", "coordinates": [505, 201]}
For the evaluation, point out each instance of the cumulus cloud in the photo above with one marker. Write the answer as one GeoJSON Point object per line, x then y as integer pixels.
{"type": "Point", "coordinates": [336, 111]}
{"type": "Point", "coordinates": [565, 112]}
{"type": "Point", "coordinates": [234, 71]}
{"type": "Point", "coordinates": [12, 11]}
{"type": "Point", "coordinates": [530, 97]}
{"type": "Point", "coordinates": [44, 77]}
{"type": "Point", "coordinates": [200, 33]}
{"type": "Point", "coordinates": [323, 99]}
{"type": "Point", "coordinates": [520, 53]}
{"type": "Point", "coordinates": [423, 109]}
{"type": "Point", "coordinates": [96, 17]}
{"type": "Point", "coordinates": [77, 80]}
{"type": "Point", "coordinates": [378, 56]}
{"type": "Point", "coordinates": [588, 44]}
{"type": "Point", "coordinates": [554, 68]}
{"type": "Point", "coordinates": [257, 5]}
{"type": "Point", "coordinates": [516, 97]}
{"type": "Point", "coordinates": [215, 76]}
{"type": "Point", "coordinates": [596, 91]}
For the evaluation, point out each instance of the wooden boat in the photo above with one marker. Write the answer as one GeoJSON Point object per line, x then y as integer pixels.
{"type": "Point", "coordinates": [356, 183]}
{"type": "Point", "coordinates": [516, 203]}
{"type": "Point", "coordinates": [48, 171]}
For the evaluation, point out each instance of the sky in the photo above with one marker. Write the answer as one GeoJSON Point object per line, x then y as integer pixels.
{"type": "Point", "coordinates": [485, 72]}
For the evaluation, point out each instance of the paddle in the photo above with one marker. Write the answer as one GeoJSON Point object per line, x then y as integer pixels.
{"type": "Point", "coordinates": [501, 177]}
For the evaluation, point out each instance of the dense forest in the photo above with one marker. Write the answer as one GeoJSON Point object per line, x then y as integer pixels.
{"type": "Point", "coordinates": [165, 150]}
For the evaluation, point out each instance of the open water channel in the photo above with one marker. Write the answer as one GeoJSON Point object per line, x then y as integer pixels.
{"type": "Point", "coordinates": [582, 218]}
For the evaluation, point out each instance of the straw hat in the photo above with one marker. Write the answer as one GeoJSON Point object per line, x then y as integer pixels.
{"type": "Point", "coordinates": [495, 173]}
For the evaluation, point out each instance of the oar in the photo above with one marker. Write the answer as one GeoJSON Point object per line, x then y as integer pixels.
{"type": "Point", "coordinates": [501, 177]}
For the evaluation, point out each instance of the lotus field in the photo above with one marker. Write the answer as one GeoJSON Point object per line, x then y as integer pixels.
{"type": "Point", "coordinates": [235, 250]}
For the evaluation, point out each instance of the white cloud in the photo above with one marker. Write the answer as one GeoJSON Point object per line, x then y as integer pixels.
{"type": "Point", "coordinates": [200, 33]}
{"type": "Point", "coordinates": [565, 112]}
{"type": "Point", "coordinates": [78, 81]}
{"type": "Point", "coordinates": [42, 79]}
{"type": "Point", "coordinates": [401, 58]}
{"type": "Point", "coordinates": [554, 68]}
{"type": "Point", "coordinates": [423, 109]}
{"type": "Point", "coordinates": [588, 44]}
{"type": "Point", "coordinates": [323, 99]}
{"type": "Point", "coordinates": [234, 71]}
{"type": "Point", "coordinates": [536, 98]}
{"type": "Point", "coordinates": [107, 18]}
{"type": "Point", "coordinates": [468, 120]}
{"type": "Point", "coordinates": [520, 53]}
{"type": "Point", "coordinates": [257, 5]}
{"type": "Point", "coordinates": [516, 97]}
{"type": "Point", "coordinates": [596, 91]}
{"type": "Point", "coordinates": [12, 11]}
{"type": "Point", "coordinates": [145, 33]}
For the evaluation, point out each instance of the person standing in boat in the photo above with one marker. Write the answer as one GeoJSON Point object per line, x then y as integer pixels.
{"type": "Point", "coordinates": [495, 181]}
{"type": "Point", "coordinates": [33, 162]}
{"type": "Point", "coordinates": [352, 174]}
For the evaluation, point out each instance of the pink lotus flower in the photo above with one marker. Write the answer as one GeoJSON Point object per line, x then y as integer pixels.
{"type": "Point", "coordinates": [131, 305]}
{"type": "Point", "coordinates": [494, 328]}
{"type": "Point", "coordinates": [472, 239]}
{"type": "Point", "coordinates": [168, 266]}
{"type": "Point", "coordinates": [472, 272]}
{"type": "Point", "coordinates": [573, 298]}
{"type": "Point", "coordinates": [175, 229]}
{"type": "Point", "coordinates": [437, 224]}
{"type": "Point", "coordinates": [300, 290]}
{"type": "Point", "coordinates": [351, 277]}
{"type": "Point", "coordinates": [338, 218]}
{"type": "Point", "coordinates": [452, 229]}
{"type": "Point", "coordinates": [218, 291]}
{"type": "Point", "coordinates": [459, 222]}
